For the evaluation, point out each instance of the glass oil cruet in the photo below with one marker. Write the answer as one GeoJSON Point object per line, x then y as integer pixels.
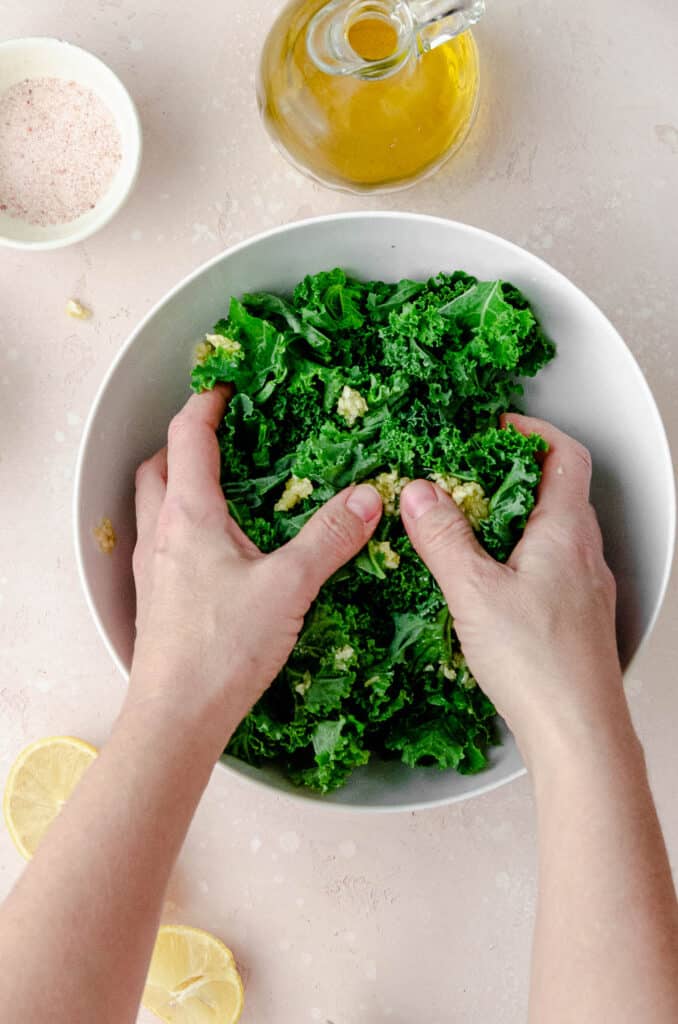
{"type": "Point", "coordinates": [370, 95]}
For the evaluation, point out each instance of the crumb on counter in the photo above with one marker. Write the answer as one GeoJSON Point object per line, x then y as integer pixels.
{"type": "Point", "coordinates": [382, 547]}
{"type": "Point", "coordinates": [467, 495]}
{"type": "Point", "coordinates": [351, 405]}
{"type": "Point", "coordinates": [389, 487]}
{"type": "Point", "coordinates": [105, 536]}
{"type": "Point", "coordinates": [295, 491]}
{"type": "Point", "coordinates": [76, 310]}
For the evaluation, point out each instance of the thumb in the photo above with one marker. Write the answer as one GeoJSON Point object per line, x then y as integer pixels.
{"type": "Point", "coordinates": [444, 540]}
{"type": "Point", "coordinates": [334, 535]}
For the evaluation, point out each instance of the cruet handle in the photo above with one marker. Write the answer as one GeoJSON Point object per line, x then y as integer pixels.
{"type": "Point", "coordinates": [438, 21]}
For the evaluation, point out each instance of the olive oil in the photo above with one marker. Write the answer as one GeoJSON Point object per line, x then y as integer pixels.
{"type": "Point", "coordinates": [382, 122]}
{"type": "Point", "coordinates": [373, 38]}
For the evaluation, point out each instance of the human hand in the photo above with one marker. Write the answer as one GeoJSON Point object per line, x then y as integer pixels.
{"type": "Point", "coordinates": [539, 632]}
{"type": "Point", "coordinates": [216, 618]}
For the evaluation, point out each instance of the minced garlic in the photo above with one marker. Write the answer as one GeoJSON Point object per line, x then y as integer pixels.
{"type": "Point", "coordinates": [229, 345]}
{"type": "Point", "coordinates": [105, 536]}
{"type": "Point", "coordinates": [295, 491]}
{"type": "Point", "coordinates": [342, 656]}
{"type": "Point", "coordinates": [351, 405]}
{"type": "Point", "coordinates": [383, 547]}
{"type": "Point", "coordinates": [389, 487]}
{"type": "Point", "coordinates": [468, 495]}
{"type": "Point", "coordinates": [214, 341]}
{"type": "Point", "coordinates": [304, 685]}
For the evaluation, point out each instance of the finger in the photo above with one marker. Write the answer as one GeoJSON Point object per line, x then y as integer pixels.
{"type": "Point", "coordinates": [444, 540]}
{"type": "Point", "coordinates": [238, 536]}
{"type": "Point", "coordinates": [193, 458]}
{"type": "Point", "coordinates": [150, 488]}
{"type": "Point", "coordinates": [335, 534]}
{"type": "Point", "coordinates": [566, 468]}
{"type": "Point", "coordinates": [578, 528]}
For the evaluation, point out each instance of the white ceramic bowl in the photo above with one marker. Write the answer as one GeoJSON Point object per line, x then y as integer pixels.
{"type": "Point", "coordinates": [53, 58]}
{"type": "Point", "coordinates": [593, 389]}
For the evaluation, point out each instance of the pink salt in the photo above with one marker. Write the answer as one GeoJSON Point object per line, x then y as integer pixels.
{"type": "Point", "coordinates": [59, 150]}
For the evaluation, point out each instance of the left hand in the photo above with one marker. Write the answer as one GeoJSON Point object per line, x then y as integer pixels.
{"type": "Point", "coordinates": [216, 618]}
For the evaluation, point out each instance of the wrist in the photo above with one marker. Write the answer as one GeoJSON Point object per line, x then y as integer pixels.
{"type": "Point", "coordinates": [176, 704]}
{"type": "Point", "coordinates": [583, 735]}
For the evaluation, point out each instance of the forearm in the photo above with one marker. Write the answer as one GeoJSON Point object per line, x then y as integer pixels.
{"type": "Point", "coordinates": [606, 940]}
{"type": "Point", "coordinates": [77, 932]}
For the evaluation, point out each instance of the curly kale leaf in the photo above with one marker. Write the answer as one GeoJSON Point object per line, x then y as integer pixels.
{"type": "Point", "coordinates": [377, 669]}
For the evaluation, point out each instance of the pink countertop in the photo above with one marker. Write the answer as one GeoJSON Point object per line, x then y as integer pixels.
{"type": "Point", "coordinates": [333, 917]}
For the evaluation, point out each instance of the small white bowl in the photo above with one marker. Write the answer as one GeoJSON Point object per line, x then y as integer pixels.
{"type": "Point", "coordinates": [594, 390]}
{"type": "Point", "coordinates": [53, 58]}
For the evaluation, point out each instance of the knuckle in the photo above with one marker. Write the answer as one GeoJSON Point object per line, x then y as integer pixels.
{"type": "Point", "coordinates": [338, 530]}
{"type": "Point", "coordinates": [481, 581]}
{"type": "Point", "coordinates": [282, 571]}
{"type": "Point", "coordinates": [588, 531]}
{"type": "Point", "coordinates": [608, 582]}
{"type": "Point", "coordinates": [593, 526]}
{"type": "Point", "coordinates": [486, 575]}
{"type": "Point", "coordinates": [440, 532]}
{"type": "Point", "coordinates": [579, 530]}
{"type": "Point", "coordinates": [175, 523]}
{"type": "Point", "coordinates": [176, 511]}
{"type": "Point", "coordinates": [177, 428]}
{"type": "Point", "coordinates": [138, 561]}
{"type": "Point", "coordinates": [586, 545]}
{"type": "Point", "coordinates": [586, 549]}
{"type": "Point", "coordinates": [582, 457]}
{"type": "Point", "coordinates": [289, 572]}
{"type": "Point", "coordinates": [183, 519]}
{"type": "Point", "coordinates": [141, 472]}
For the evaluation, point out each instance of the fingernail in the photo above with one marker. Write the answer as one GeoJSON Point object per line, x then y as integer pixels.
{"type": "Point", "coordinates": [417, 498]}
{"type": "Point", "coordinates": [364, 502]}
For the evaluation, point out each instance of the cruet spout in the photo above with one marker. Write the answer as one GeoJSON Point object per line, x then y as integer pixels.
{"type": "Point", "coordinates": [414, 26]}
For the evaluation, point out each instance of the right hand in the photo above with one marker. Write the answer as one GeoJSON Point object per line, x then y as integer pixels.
{"type": "Point", "coordinates": [538, 633]}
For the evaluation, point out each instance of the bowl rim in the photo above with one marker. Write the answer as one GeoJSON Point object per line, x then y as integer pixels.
{"type": "Point", "coordinates": [292, 227]}
{"type": "Point", "coordinates": [135, 148]}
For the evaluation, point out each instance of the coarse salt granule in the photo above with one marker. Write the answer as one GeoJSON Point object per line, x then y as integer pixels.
{"type": "Point", "coordinates": [59, 150]}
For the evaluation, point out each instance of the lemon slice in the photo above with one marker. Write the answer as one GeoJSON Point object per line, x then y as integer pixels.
{"type": "Point", "coordinates": [192, 979]}
{"type": "Point", "coordinates": [40, 782]}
